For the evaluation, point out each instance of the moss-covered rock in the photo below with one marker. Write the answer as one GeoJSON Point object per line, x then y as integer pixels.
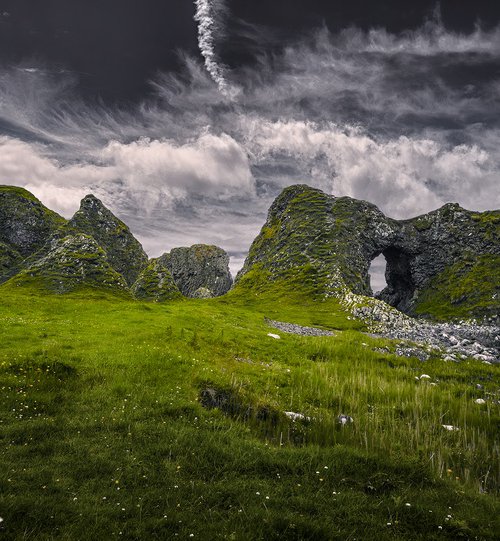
{"type": "Point", "coordinates": [25, 223]}
{"type": "Point", "coordinates": [200, 266]}
{"type": "Point", "coordinates": [10, 262]}
{"type": "Point", "coordinates": [335, 239]}
{"type": "Point", "coordinates": [74, 262]}
{"type": "Point", "coordinates": [155, 283]}
{"type": "Point", "coordinates": [124, 252]}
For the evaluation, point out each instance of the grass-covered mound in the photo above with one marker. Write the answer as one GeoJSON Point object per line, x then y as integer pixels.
{"type": "Point", "coordinates": [104, 435]}
{"type": "Point", "coordinates": [469, 288]}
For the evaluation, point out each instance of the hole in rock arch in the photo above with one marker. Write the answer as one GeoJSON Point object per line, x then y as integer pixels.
{"type": "Point", "coordinates": [377, 274]}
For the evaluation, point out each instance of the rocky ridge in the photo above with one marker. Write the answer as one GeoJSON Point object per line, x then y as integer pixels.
{"type": "Point", "coordinates": [451, 251]}
{"type": "Point", "coordinates": [95, 248]}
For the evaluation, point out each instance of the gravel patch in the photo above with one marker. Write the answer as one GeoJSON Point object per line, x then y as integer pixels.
{"type": "Point", "coordinates": [291, 328]}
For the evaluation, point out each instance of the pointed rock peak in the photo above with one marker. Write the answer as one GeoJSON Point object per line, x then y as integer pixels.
{"type": "Point", "coordinates": [123, 250]}
{"type": "Point", "coordinates": [90, 204]}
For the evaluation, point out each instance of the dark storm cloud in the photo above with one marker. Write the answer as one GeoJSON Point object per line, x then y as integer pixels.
{"type": "Point", "coordinates": [407, 120]}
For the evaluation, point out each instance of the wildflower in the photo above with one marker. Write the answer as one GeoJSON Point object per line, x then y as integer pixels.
{"type": "Point", "coordinates": [480, 401]}
{"type": "Point", "coordinates": [408, 504]}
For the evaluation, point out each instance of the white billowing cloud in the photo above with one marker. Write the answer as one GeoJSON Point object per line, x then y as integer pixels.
{"type": "Point", "coordinates": [404, 176]}
{"type": "Point", "coordinates": [208, 165]}
{"type": "Point", "coordinates": [59, 186]}
{"type": "Point", "coordinates": [407, 121]}
{"type": "Point", "coordinates": [148, 171]}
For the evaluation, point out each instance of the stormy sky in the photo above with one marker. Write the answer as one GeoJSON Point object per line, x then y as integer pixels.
{"type": "Point", "coordinates": [188, 118]}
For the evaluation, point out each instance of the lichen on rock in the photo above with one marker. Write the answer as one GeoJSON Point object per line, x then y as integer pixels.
{"type": "Point", "coordinates": [25, 223]}
{"type": "Point", "coordinates": [339, 237]}
{"type": "Point", "coordinates": [200, 266]}
{"type": "Point", "coordinates": [155, 283]}
{"type": "Point", "coordinates": [124, 252]}
{"type": "Point", "coordinates": [10, 262]}
{"type": "Point", "coordinates": [74, 262]}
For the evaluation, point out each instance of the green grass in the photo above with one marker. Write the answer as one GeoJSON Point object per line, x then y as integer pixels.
{"type": "Point", "coordinates": [465, 289]}
{"type": "Point", "coordinates": [102, 434]}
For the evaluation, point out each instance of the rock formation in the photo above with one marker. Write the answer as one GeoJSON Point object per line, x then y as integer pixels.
{"type": "Point", "coordinates": [25, 226]}
{"type": "Point", "coordinates": [331, 242]}
{"type": "Point", "coordinates": [10, 262]}
{"type": "Point", "coordinates": [73, 262]}
{"type": "Point", "coordinates": [124, 252]}
{"type": "Point", "coordinates": [199, 267]}
{"type": "Point", "coordinates": [155, 283]}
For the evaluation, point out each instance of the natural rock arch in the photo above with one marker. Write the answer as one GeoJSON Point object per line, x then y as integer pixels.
{"type": "Point", "coordinates": [335, 239]}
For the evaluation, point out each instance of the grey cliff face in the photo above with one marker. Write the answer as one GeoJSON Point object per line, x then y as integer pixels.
{"type": "Point", "coordinates": [124, 251]}
{"type": "Point", "coordinates": [339, 237]}
{"type": "Point", "coordinates": [200, 267]}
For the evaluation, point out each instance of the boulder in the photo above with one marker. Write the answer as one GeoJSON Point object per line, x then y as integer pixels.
{"type": "Point", "coordinates": [199, 270]}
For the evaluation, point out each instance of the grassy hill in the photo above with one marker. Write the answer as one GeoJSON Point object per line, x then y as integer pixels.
{"type": "Point", "coordinates": [103, 434]}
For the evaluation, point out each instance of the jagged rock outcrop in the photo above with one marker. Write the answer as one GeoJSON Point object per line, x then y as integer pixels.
{"type": "Point", "coordinates": [25, 223]}
{"type": "Point", "coordinates": [73, 262]}
{"type": "Point", "coordinates": [155, 283]}
{"type": "Point", "coordinates": [200, 266]}
{"type": "Point", "coordinates": [331, 241]}
{"type": "Point", "coordinates": [124, 252]}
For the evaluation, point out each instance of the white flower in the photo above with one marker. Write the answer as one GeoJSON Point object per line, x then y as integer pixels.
{"type": "Point", "coordinates": [275, 336]}
{"type": "Point", "coordinates": [480, 401]}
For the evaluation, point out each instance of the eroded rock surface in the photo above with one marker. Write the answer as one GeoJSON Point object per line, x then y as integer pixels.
{"type": "Point", "coordinates": [452, 254]}
{"type": "Point", "coordinates": [25, 223]}
{"type": "Point", "coordinates": [73, 262]}
{"type": "Point", "coordinates": [155, 283]}
{"type": "Point", "coordinates": [199, 271]}
{"type": "Point", "coordinates": [124, 252]}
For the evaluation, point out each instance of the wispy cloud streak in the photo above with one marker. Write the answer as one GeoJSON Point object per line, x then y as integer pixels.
{"type": "Point", "coordinates": [408, 121]}
{"type": "Point", "coordinates": [208, 15]}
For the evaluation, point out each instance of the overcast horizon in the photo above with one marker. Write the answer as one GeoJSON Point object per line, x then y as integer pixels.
{"type": "Point", "coordinates": [188, 119]}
